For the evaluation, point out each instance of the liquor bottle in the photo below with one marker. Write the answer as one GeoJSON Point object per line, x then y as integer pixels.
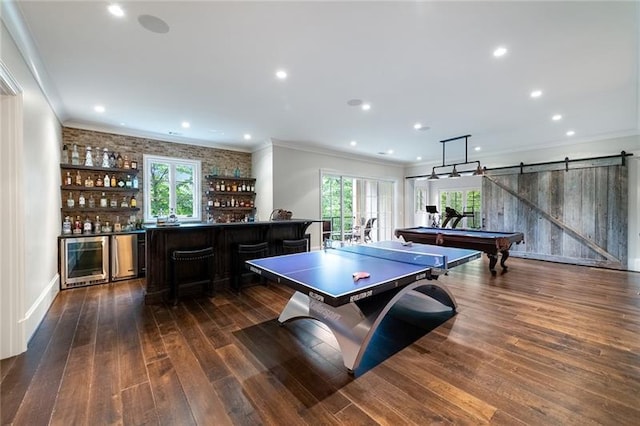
{"type": "Point", "coordinates": [129, 183]}
{"type": "Point", "coordinates": [121, 183]}
{"type": "Point", "coordinates": [89, 182]}
{"type": "Point", "coordinates": [222, 186]}
{"type": "Point", "coordinates": [105, 158]}
{"type": "Point", "coordinates": [112, 160]}
{"type": "Point", "coordinates": [64, 157]}
{"type": "Point", "coordinates": [92, 201]}
{"type": "Point", "coordinates": [75, 156]}
{"type": "Point", "coordinates": [107, 181]}
{"type": "Point", "coordinates": [133, 203]}
{"type": "Point", "coordinates": [244, 187]}
{"type": "Point", "coordinates": [126, 163]}
{"type": "Point", "coordinates": [99, 181]}
{"type": "Point", "coordinates": [134, 164]}
{"type": "Point", "coordinates": [119, 161]}
{"type": "Point", "coordinates": [86, 227]}
{"type": "Point", "coordinates": [66, 225]}
{"type": "Point", "coordinates": [97, 161]}
{"type": "Point", "coordinates": [113, 181]}
{"type": "Point", "coordinates": [88, 157]}
{"type": "Point", "coordinates": [113, 203]}
{"type": "Point", "coordinates": [78, 178]}
{"type": "Point", "coordinates": [103, 200]}
{"type": "Point", "coordinates": [124, 203]}
{"type": "Point", "coordinates": [82, 201]}
{"type": "Point", "coordinates": [233, 202]}
{"type": "Point", "coordinates": [68, 181]}
{"type": "Point", "coordinates": [77, 226]}
{"type": "Point", "coordinates": [135, 182]}
{"type": "Point", "coordinates": [217, 186]}
{"type": "Point", "coordinates": [70, 201]}
{"type": "Point", "coordinates": [117, 227]}
{"type": "Point", "coordinates": [97, 226]}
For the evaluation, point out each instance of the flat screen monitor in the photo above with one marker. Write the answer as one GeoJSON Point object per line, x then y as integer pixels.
{"type": "Point", "coordinates": [432, 209]}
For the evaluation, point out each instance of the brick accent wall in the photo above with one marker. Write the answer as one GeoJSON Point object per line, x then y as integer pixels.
{"type": "Point", "coordinates": [135, 147]}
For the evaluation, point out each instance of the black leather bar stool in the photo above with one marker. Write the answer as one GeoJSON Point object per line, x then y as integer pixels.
{"type": "Point", "coordinates": [294, 246]}
{"type": "Point", "coordinates": [181, 256]}
{"type": "Point", "coordinates": [243, 253]}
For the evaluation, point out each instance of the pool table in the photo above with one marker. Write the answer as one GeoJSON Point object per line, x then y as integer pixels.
{"type": "Point", "coordinates": [489, 242]}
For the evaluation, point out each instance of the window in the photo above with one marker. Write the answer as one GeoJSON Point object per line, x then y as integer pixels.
{"type": "Point", "coordinates": [171, 184]}
{"type": "Point", "coordinates": [349, 202]}
{"type": "Point", "coordinates": [466, 202]}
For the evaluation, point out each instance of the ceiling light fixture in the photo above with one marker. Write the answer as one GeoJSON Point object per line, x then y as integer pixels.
{"type": "Point", "coordinates": [500, 51]}
{"type": "Point", "coordinates": [186, 124]}
{"type": "Point", "coordinates": [479, 171]}
{"type": "Point", "coordinates": [418, 158]}
{"type": "Point", "coordinates": [353, 143]}
{"type": "Point", "coordinates": [417, 126]}
{"type": "Point", "coordinates": [247, 136]}
{"type": "Point", "coordinates": [116, 10]}
{"type": "Point", "coordinates": [281, 74]}
{"type": "Point", "coordinates": [556, 117]}
{"type": "Point", "coordinates": [366, 107]}
{"type": "Point", "coordinates": [390, 151]}
{"type": "Point", "coordinates": [536, 93]}
{"type": "Point", "coordinates": [571, 133]}
{"type": "Point", "coordinates": [99, 108]}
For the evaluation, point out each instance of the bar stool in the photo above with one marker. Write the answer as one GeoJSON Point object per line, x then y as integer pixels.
{"type": "Point", "coordinates": [202, 255]}
{"type": "Point", "coordinates": [294, 246]}
{"type": "Point", "coordinates": [247, 252]}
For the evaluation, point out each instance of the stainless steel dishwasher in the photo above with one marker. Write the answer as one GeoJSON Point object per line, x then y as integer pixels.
{"type": "Point", "coordinates": [124, 256]}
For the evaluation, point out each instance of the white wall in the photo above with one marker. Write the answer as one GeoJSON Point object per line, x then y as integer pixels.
{"type": "Point", "coordinates": [296, 181]}
{"type": "Point", "coordinates": [40, 180]}
{"type": "Point", "coordinates": [604, 147]}
{"type": "Point", "coordinates": [262, 170]}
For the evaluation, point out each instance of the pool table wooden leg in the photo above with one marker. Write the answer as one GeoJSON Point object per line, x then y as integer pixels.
{"type": "Point", "coordinates": [493, 259]}
{"type": "Point", "coordinates": [505, 256]}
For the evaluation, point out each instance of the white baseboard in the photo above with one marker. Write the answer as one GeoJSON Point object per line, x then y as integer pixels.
{"type": "Point", "coordinates": [35, 314]}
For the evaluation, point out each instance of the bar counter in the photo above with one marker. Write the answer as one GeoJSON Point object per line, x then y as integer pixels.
{"type": "Point", "coordinates": [223, 237]}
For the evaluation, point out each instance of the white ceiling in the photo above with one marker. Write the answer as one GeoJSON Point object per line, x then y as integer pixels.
{"type": "Point", "coordinates": [427, 62]}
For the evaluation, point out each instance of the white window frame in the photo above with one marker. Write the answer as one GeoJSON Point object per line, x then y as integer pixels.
{"type": "Point", "coordinates": [173, 162]}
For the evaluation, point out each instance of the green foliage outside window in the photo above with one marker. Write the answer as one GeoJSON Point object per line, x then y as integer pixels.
{"type": "Point", "coordinates": [161, 189]}
{"type": "Point", "coordinates": [333, 199]}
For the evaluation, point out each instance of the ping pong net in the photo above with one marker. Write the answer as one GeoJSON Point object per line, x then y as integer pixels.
{"type": "Point", "coordinates": [407, 254]}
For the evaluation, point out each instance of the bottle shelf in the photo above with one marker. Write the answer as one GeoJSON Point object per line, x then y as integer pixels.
{"type": "Point", "coordinates": [81, 210]}
{"type": "Point", "coordinates": [227, 209]}
{"type": "Point", "coordinates": [98, 169]}
{"type": "Point", "coordinates": [97, 188]}
{"type": "Point", "coordinates": [230, 178]}
{"type": "Point", "coordinates": [230, 193]}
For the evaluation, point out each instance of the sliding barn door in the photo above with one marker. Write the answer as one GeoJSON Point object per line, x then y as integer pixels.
{"type": "Point", "coordinates": [576, 216]}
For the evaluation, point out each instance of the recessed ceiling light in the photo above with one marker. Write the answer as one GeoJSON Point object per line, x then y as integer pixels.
{"type": "Point", "coordinates": [99, 108]}
{"type": "Point", "coordinates": [418, 158]}
{"type": "Point", "coordinates": [500, 51]}
{"type": "Point", "coordinates": [417, 126]}
{"type": "Point", "coordinates": [353, 143]}
{"type": "Point", "coordinates": [571, 133]}
{"type": "Point", "coordinates": [116, 10]}
{"type": "Point", "coordinates": [556, 117]}
{"type": "Point", "coordinates": [123, 124]}
{"type": "Point", "coordinates": [247, 136]}
{"type": "Point", "coordinates": [281, 74]}
{"type": "Point", "coordinates": [186, 124]}
{"type": "Point", "coordinates": [536, 93]}
{"type": "Point", "coordinates": [366, 107]}
{"type": "Point", "coordinates": [477, 148]}
{"type": "Point", "coordinates": [390, 151]}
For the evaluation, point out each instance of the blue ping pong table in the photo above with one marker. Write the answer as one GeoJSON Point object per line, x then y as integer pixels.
{"type": "Point", "coordinates": [352, 309]}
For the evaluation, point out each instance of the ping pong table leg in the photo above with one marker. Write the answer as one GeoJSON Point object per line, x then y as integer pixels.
{"type": "Point", "coordinates": [354, 324]}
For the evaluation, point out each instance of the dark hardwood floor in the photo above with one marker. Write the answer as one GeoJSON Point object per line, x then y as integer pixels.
{"type": "Point", "coordinates": [545, 344]}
